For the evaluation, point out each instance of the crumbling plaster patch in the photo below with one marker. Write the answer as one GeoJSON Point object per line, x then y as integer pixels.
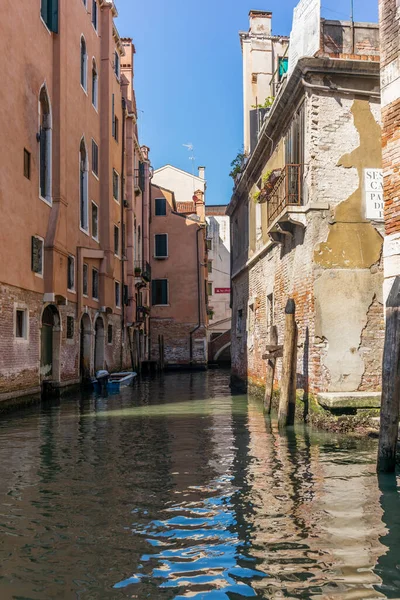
{"type": "Point", "coordinates": [342, 300]}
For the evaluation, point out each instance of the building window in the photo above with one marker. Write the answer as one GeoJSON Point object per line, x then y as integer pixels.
{"type": "Point", "coordinates": [110, 334]}
{"type": "Point", "coordinates": [161, 207]}
{"type": "Point", "coordinates": [83, 186]}
{"type": "Point", "coordinates": [45, 140]}
{"type": "Point", "coordinates": [116, 129]}
{"type": "Point", "coordinates": [209, 266]}
{"type": "Point", "coordinates": [113, 115]}
{"type": "Point", "coordinates": [209, 244]}
{"type": "Point", "coordinates": [71, 273]}
{"type": "Point", "coordinates": [49, 14]}
{"type": "Point", "coordinates": [37, 255]}
{"type": "Point", "coordinates": [27, 164]}
{"type": "Point", "coordinates": [95, 222]}
{"type": "Point", "coordinates": [95, 284]}
{"type": "Point", "coordinates": [116, 240]}
{"type": "Point", "coordinates": [95, 158]}
{"type": "Point", "coordinates": [283, 65]}
{"type": "Point", "coordinates": [84, 3]}
{"type": "Point", "coordinates": [161, 245]}
{"type": "Point", "coordinates": [115, 185]}
{"type": "Point", "coordinates": [95, 84]}
{"type": "Point", "coordinates": [117, 287]}
{"type": "Point", "coordinates": [209, 289]}
{"type": "Point", "coordinates": [239, 322]}
{"type": "Point", "coordinates": [159, 292]}
{"type": "Point", "coordinates": [294, 139]}
{"type": "Point", "coordinates": [70, 328]}
{"type": "Point", "coordinates": [116, 64]}
{"type": "Point", "coordinates": [21, 323]}
{"type": "Point", "coordinates": [85, 279]}
{"type": "Point", "coordinates": [83, 64]}
{"type": "Point", "coordinates": [94, 14]}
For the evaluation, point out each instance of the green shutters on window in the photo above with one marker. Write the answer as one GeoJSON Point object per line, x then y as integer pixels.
{"type": "Point", "coordinates": [49, 12]}
{"type": "Point", "coordinates": [161, 207]}
{"type": "Point", "coordinates": [161, 242]}
{"type": "Point", "coordinates": [159, 291]}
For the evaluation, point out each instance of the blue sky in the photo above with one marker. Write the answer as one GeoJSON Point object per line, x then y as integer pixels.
{"type": "Point", "coordinates": [188, 75]}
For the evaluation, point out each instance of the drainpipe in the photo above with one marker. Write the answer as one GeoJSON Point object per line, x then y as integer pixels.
{"type": "Point", "coordinates": [122, 232]}
{"type": "Point", "coordinates": [198, 297]}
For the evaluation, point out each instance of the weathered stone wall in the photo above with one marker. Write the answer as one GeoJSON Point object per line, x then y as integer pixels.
{"type": "Point", "coordinates": [20, 357]}
{"type": "Point", "coordinates": [331, 267]}
{"type": "Point", "coordinates": [177, 342]}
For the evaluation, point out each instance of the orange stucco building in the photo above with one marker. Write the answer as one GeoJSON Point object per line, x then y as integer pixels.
{"type": "Point", "coordinates": [178, 322]}
{"type": "Point", "coordinates": [74, 192]}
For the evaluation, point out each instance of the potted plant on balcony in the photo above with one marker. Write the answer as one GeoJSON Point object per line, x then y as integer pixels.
{"type": "Point", "coordinates": [138, 271]}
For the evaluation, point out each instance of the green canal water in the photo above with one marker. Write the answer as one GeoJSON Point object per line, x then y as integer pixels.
{"type": "Point", "coordinates": [178, 489]}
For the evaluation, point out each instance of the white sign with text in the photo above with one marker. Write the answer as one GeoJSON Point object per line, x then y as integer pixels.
{"type": "Point", "coordinates": [373, 194]}
{"type": "Point", "coordinates": [305, 37]}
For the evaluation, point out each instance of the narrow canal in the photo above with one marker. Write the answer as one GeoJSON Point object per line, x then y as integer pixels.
{"type": "Point", "coordinates": [178, 489]}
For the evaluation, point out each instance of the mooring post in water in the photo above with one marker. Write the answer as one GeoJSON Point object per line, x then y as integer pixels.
{"type": "Point", "coordinates": [390, 403]}
{"type": "Point", "coordinates": [270, 372]}
{"type": "Point", "coordinates": [287, 401]}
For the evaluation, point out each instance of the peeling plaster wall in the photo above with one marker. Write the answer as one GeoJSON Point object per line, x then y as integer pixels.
{"type": "Point", "coordinates": [332, 268]}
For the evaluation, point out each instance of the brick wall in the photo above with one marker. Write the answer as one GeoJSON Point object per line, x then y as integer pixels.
{"type": "Point", "coordinates": [338, 293]}
{"type": "Point", "coordinates": [20, 358]}
{"type": "Point", "coordinates": [390, 75]}
{"type": "Point", "coordinates": [177, 342]}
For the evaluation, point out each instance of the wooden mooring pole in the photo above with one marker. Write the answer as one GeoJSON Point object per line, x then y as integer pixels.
{"type": "Point", "coordinates": [390, 403]}
{"type": "Point", "coordinates": [270, 374]}
{"type": "Point", "coordinates": [287, 401]}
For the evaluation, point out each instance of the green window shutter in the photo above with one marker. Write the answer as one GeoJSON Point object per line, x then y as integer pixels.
{"type": "Point", "coordinates": [113, 115]}
{"type": "Point", "coordinates": [164, 291]}
{"type": "Point", "coordinates": [53, 15]}
{"type": "Point", "coordinates": [161, 208]}
{"type": "Point", "coordinates": [44, 9]}
{"type": "Point", "coordinates": [153, 292]}
{"type": "Point", "coordinates": [161, 245]}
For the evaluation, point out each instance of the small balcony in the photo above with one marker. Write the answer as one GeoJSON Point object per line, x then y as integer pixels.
{"type": "Point", "coordinates": [142, 273]}
{"type": "Point", "coordinates": [141, 313]}
{"type": "Point", "coordinates": [285, 193]}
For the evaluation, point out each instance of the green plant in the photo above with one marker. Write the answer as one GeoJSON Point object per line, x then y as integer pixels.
{"type": "Point", "coordinates": [237, 163]}
{"type": "Point", "coordinates": [266, 177]}
{"type": "Point", "coordinates": [269, 100]}
{"type": "Point", "coordinates": [256, 196]}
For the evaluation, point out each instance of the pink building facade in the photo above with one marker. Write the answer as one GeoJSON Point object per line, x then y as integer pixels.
{"type": "Point", "coordinates": [69, 190]}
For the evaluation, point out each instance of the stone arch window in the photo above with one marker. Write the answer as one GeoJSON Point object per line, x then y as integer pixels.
{"type": "Point", "coordinates": [95, 84]}
{"type": "Point", "coordinates": [45, 145]}
{"type": "Point", "coordinates": [83, 186]}
{"type": "Point", "coordinates": [83, 64]}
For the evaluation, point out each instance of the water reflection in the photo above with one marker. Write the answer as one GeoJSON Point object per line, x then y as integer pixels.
{"type": "Point", "coordinates": [178, 489]}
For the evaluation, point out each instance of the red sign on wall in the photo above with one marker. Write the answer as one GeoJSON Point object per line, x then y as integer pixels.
{"type": "Point", "coordinates": [222, 290]}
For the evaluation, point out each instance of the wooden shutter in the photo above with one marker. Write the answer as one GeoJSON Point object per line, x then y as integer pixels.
{"type": "Point", "coordinates": [113, 115]}
{"type": "Point", "coordinates": [161, 245]}
{"type": "Point", "coordinates": [53, 16]}
{"type": "Point", "coordinates": [164, 291]}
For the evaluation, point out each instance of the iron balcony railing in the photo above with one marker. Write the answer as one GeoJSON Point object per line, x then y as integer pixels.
{"type": "Point", "coordinates": [286, 192]}
{"type": "Point", "coordinates": [143, 270]}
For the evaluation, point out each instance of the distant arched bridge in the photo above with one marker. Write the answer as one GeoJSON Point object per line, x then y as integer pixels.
{"type": "Point", "coordinates": [219, 349]}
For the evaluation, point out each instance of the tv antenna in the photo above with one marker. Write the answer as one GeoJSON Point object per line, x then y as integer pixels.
{"type": "Point", "coordinates": [190, 148]}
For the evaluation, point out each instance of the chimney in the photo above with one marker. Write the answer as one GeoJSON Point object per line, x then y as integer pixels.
{"type": "Point", "coordinates": [260, 22]}
{"type": "Point", "coordinates": [202, 172]}
{"type": "Point", "coordinates": [198, 200]}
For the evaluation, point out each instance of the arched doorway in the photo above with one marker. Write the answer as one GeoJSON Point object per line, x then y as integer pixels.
{"type": "Point", "coordinates": [99, 344]}
{"type": "Point", "coordinates": [50, 340]}
{"type": "Point", "coordinates": [85, 347]}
